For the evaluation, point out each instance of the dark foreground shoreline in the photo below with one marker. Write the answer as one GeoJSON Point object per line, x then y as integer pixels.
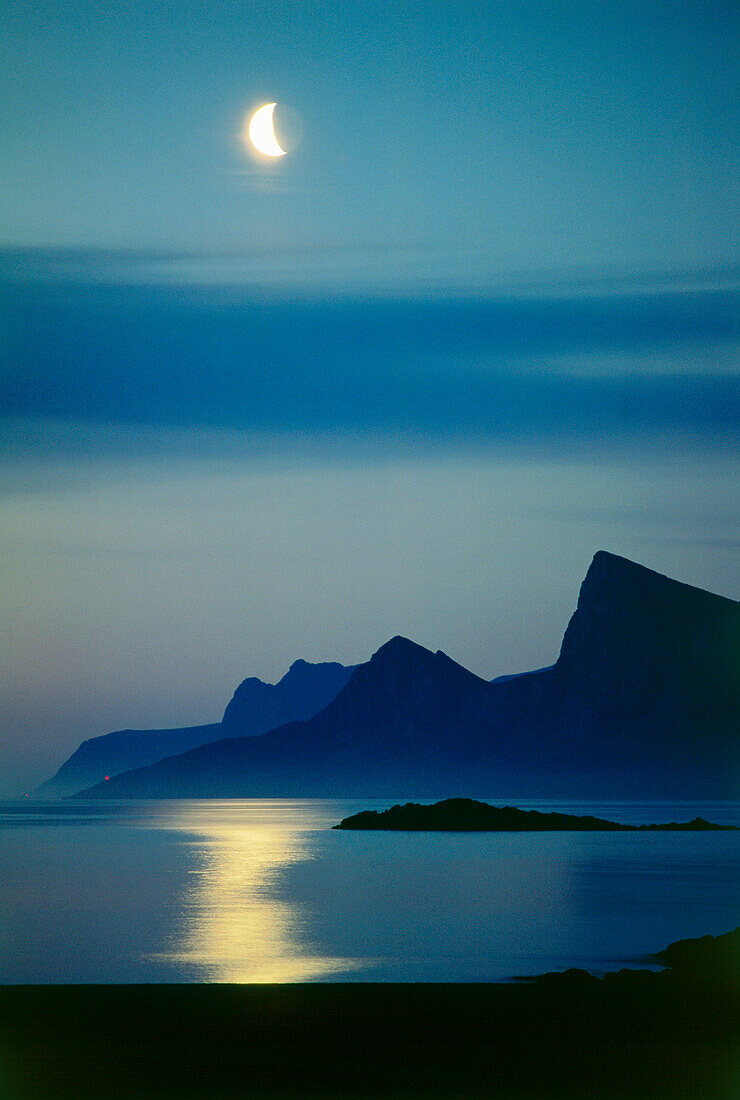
{"type": "Point", "coordinates": [672, 1034]}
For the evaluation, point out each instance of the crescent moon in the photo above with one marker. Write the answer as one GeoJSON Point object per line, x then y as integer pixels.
{"type": "Point", "coordinates": [262, 132]}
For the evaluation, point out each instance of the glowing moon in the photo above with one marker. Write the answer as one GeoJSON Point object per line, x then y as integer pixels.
{"type": "Point", "coordinates": [261, 131]}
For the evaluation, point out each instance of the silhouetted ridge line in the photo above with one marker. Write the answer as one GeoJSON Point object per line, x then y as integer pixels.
{"type": "Point", "coordinates": [254, 708]}
{"type": "Point", "coordinates": [304, 690]}
{"type": "Point", "coordinates": [642, 702]}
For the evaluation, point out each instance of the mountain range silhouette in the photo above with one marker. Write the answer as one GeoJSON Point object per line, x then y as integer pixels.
{"type": "Point", "coordinates": [641, 702]}
{"type": "Point", "coordinates": [254, 708]}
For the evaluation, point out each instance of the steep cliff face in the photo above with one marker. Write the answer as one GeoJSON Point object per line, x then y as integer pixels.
{"type": "Point", "coordinates": [639, 633]}
{"type": "Point", "coordinates": [648, 666]}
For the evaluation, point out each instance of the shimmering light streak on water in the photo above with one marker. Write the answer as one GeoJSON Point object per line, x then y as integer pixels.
{"type": "Point", "coordinates": [265, 891]}
{"type": "Point", "coordinates": [235, 926]}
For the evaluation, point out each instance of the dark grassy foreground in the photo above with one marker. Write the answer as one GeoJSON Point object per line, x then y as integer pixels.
{"type": "Point", "coordinates": [634, 1034]}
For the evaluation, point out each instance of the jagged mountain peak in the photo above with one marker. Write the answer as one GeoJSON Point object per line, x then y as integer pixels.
{"type": "Point", "coordinates": [303, 670]}
{"type": "Point", "coordinates": [622, 578]}
{"type": "Point", "coordinates": [304, 690]}
{"type": "Point", "coordinates": [401, 648]}
{"type": "Point", "coordinates": [611, 571]}
{"type": "Point", "coordinates": [402, 680]}
{"type": "Point", "coordinates": [301, 667]}
{"type": "Point", "coordinates": [403, 656]}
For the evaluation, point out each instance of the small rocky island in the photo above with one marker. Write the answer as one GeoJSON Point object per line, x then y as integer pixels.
{"type": "Point", "coordinates": [469, 815]}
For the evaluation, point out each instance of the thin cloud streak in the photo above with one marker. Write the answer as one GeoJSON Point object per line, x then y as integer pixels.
{"type": "Point", "coordinates": [358, 267]}
{"type": "Point", "coordinates": [517, 372]}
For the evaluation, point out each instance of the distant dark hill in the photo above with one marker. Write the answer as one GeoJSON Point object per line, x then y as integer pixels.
{"type": "Point", "coordinates": [255, 707]}
{"type": "Point", "coordinates": [642, 702]}
{"type": "Point", "coordinates": [468, 815]}
{"type": "Point", "coordinates": [122, 750]}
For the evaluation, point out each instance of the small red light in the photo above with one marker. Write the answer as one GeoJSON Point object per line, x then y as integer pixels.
{"type": "Point", "coordinates": [107, 777]}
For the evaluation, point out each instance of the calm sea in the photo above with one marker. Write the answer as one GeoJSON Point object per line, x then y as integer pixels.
{"type": "Point", "coordinates": [265, 891]}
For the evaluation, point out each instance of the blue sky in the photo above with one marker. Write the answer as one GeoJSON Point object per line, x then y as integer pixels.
{"type": "Point", "coordinates": [478, 324]}
{"type": "Point", "coordinates": [515, 133]}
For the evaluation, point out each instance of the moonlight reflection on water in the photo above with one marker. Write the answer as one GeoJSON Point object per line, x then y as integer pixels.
{"type": "Point", "coordinates": [255, 891]}
{"type": "Point", "coordinates": [235, 926]}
